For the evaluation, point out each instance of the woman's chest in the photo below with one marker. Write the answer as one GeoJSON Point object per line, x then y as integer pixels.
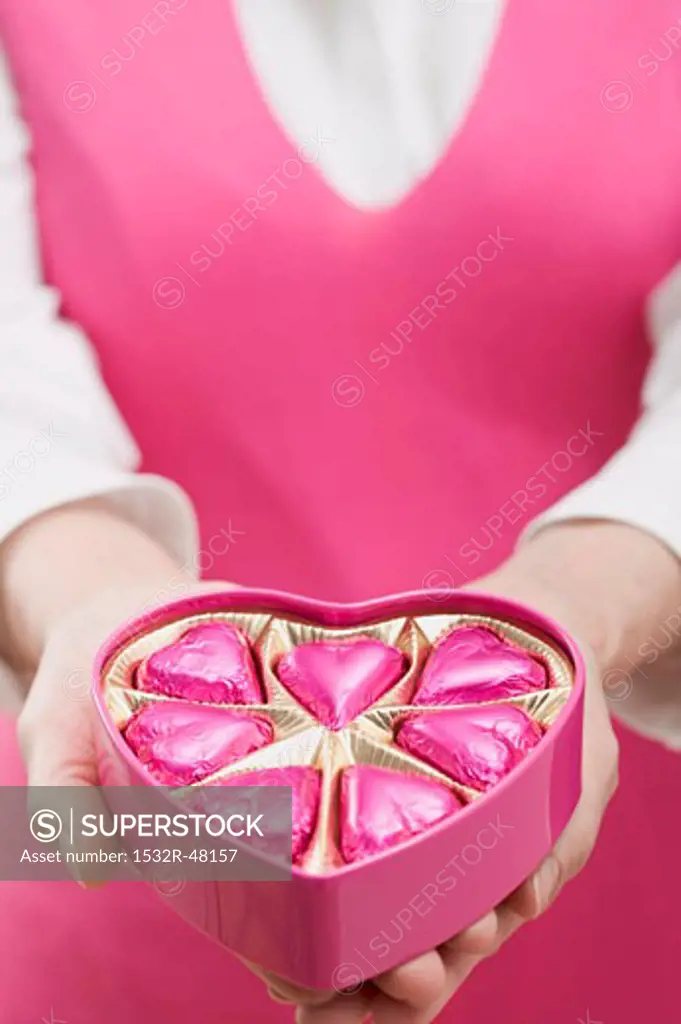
{"type": "Point", "coordinates": [172, 203]}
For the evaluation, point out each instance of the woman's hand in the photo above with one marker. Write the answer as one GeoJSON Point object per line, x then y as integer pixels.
{"type": "Point", "coordinates": [608, 585]}
{"type": "Point", "coordinates": [56, 726]}
{"type": "Point", "coordinates": [67, 579]}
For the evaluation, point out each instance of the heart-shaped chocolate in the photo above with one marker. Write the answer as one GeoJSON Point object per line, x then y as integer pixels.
{"type": "Point", "coordinates": [336, 680]}
{"type": "Point", "coordinates": [476, 747]}
{"type": "Point", "coordinates": [381, 807]}
{"type": "Point", "coordinates": [210, 663]}
{"type": "Point", "coordinates": [472, 665]}
{"type": "Point", "coordinates": [305, 783]}
{"type": "Point", "coordinates": [183, 743]}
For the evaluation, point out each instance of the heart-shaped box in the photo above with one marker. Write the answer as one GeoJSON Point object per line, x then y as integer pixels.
{"type": "Point", "coordinates": [336, 924]}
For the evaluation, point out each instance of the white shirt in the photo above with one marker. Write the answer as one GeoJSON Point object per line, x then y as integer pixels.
{"type": "Point", "coordinates": [392, 80]}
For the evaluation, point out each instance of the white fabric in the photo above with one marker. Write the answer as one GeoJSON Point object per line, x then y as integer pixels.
{"type": "Point", "coordinates": [641, 484]}
{"type": "Point", "coordinates": [387, 78]}
{"type": "Point", "coordinates": [392, 80]}
{"type": "Point", "coordinates": [61, 437]}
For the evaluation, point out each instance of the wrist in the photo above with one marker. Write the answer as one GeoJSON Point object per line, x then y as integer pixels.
{"type": "Point", "coordinates": [617, 583]}
{"type": "Point", "coordinates": [65, 559]}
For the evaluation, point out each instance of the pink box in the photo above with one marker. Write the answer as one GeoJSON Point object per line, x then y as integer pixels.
{"type": "Point", "coordinates": [337, 929]}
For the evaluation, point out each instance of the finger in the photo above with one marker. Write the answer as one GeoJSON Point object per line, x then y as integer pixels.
{"type": "Point", "coordinates": [406, 991]}
{"type": "Point", "coordinates": [355, 1009]}
{"type": "Point", "coordinates": [549, 879]}
{"type": "Point", "coordinates": [479, 939]}
{"type": "Point", "coordinates": [57, 766]}
{"type": "Point", "coordinates": [572, 851]}
{"type": "Point", "coordinates": [55, 730]}
{"type": "Point", "coordinates": [459, 966]}
{"type": "Point", "coordinates": [417, 983]}
{"type": "Point", "coordinates": [576, 844]}
{"type": "Point", "coordinates": [569, 856]}
{"type": "Point", "coordinates": [492, 931]}
{"type": "Point", "coordinates": [523, 900]}
{"type": "Point", "coordinates": [454, 955]}
{"type": "Point", "coordinates": [285, 991]}
{"type": "Point", "coordinates": [72, 798]}
{"type": "Point", "coordinates": [282, 993]}
{"type": "Point", "coordinates": [402, 995]}
{"type": "Point", "coordinates": [279, 997]}
{"type": "Point", "coordinates": [539, 891]}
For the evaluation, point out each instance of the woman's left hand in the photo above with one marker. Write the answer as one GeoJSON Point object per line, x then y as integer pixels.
{"type": "Point", "coordinates": [417, 991]}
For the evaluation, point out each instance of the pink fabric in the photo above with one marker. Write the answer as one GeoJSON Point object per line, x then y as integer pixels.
{"type": "Point", "coordinates": [346, 449]}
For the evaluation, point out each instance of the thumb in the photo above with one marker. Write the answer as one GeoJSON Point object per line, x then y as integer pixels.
{"type": "Point", "coordinates": [567, 859]}
{"type": "Point", "coordinates": [546, 883]}
{"type": "Point", "coordinates": [56, 736]}
{"type": "Point", "coordinates": [56, 728]}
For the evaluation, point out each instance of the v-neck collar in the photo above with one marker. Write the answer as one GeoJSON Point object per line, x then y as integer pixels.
{"type": "Point", "coordinates": [295, 114]}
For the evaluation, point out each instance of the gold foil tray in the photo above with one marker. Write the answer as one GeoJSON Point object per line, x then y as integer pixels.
{"type": "Point", "coordinates": [299, 739]}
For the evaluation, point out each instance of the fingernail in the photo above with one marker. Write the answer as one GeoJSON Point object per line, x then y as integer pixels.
{"type": "Point", "coordinates": [81, 882]}
{"type": "Point", "coordinates": [75, 875]}
{"type": "Point", "coordinates": [277, 998]}
{"type": "Point", "coordinates": [547, 883]}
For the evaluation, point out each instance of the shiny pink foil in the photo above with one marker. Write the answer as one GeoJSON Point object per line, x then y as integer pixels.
{"type": "Point", "coordinates": [183, 743]}
{"type": "Point", "coordinates": [336, 680]}
{"type": "Point", "coordinates": [381, 808]}
{"type": "Point", "coordinates": [473, 665]}
{"type": "Point", "coordinates": [305, 783]}
{"type": "Point", "coordinates": [476, 747]}
{"type": "Point", "coordinates": [210, 663]}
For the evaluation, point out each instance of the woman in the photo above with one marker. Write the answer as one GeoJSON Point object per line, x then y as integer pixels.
{"type": "Point", "coordinates": [366, 282]}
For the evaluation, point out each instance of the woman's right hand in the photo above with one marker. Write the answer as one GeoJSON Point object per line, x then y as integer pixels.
{"type": "Point", "coordinates": [67, 579]}
{"type": "Point", "coordinates": [56, 726]}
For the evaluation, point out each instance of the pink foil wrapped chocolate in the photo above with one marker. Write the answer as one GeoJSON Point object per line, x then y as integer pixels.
{"type": "Point", "coordinates": [182, 743]}
{"type": "Point", "coordinates": [211, 663]}
{"type": "Point", "coordinates": [473, 665]}
{"type": "Point", "coordinates": [305, 783]}
{"type": "Point", "coordinates": [384, 792]}
{"type": "Point", "coordinates": [476, 747]}
{"type": "Point", "coordinates": [381, 808]}
{"type": "Point", "coordinates": [336, 680]}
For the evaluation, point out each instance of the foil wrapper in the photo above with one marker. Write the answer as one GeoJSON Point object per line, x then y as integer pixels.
{"type": "Point", "coordinates": [477, 747]}
{"type": "Point", "coordinates": [182, 743]}
{"type": "Point", "coordinates": [381, 807]}
{"type": "Point", "coordinates": [305, 783]}
{"type": "Point", "coordinates": [358, 720]}
{"type": "Point", "coordinates": [472, 664]}
{"type": "Point", "coordinates": [209, 663]}
{"type": "Point", "coordinates": [336, 680]}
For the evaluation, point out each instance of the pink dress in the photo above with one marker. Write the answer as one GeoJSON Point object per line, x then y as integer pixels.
{"type": "Point", "coordinates": [367, 401]}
